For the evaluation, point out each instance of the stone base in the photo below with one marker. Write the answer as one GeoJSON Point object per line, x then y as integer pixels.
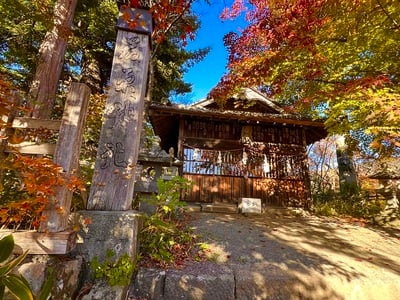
{"type": "Point", "coordinates": [66, 274]}
{"type": "Point", "coordinates": [217, 282]}
{"type": "Point", "coordinates": [192, 207]}
{"type": "Point", "coordinates": [107, 230]}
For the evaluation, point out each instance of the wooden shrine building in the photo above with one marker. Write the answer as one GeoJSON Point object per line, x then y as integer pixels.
{"type": "Point", "coordinates": [251, 149]}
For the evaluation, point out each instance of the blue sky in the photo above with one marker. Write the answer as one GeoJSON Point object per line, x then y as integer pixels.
{"type": "Point", "coordinates": [206, 74]}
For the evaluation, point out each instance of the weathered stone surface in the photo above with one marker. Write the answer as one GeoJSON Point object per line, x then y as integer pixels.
{"type": "Point", "coordinates": [108, 230]}
{"type": "Point", "coordinates": [101, 290]}
{"type": "Point", "coordinates": [262, 283]}
{"type": "Point", "coordinates": [34, 273]}
{"type": "Point", "coordinates": [216, 283]}
{"type": "Point", "coordinates": [66, 274]}
{"type": "Point", "coordinates": [148, 284]}
{"type": "Point", "coordinates": [67, 278]}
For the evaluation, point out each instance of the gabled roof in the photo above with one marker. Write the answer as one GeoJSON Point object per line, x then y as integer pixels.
{"type": "Point", "coordinates": [247, 107]}
{"type": "Point", "coordinates": [247, 99]}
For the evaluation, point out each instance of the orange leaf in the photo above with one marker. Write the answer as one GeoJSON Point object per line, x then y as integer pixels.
{"type": "Point", "coordinates": [16, 139]}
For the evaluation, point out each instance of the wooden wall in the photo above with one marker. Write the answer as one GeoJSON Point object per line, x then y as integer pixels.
{"type": "Point", "coordinates": [228, 160]}
{"type": "Point", "coordinates": [228, 189]}
{"type": "Point", "coordinates": [226, 130]}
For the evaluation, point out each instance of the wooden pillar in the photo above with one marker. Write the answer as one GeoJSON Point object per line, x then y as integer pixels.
{"type": "Point", "coordinates": [67, 156]}
{"type": "Point", "coordinates": [114, 175]}
{"type": "Point", "coordinates": [181, 138]}
{"type": "Point", "coordinates": [306, 172]}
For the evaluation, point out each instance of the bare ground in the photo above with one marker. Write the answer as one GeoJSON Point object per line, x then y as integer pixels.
{"type": "Point", "coordinates": [294, 255]}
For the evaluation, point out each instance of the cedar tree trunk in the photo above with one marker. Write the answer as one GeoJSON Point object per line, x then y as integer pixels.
{"type": "Point", "coordinates": [51, 58]}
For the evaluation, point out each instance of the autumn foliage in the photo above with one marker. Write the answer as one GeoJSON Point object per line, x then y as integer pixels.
{"type": "Point", "coordinates": [31, 183]}
{"type": "Point", "coordinates": [166, 14]}
{"type": "Point", "coordinates": [323, 58]}
{"type": "Point", "coordinates": [27, 183]}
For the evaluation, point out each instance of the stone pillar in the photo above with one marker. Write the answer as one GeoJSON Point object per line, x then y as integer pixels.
{"type": "Point", "coordinates": [114, 175]}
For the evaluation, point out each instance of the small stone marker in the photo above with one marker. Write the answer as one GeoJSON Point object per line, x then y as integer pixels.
{"type": "Point", "coordinates": [250, 205]}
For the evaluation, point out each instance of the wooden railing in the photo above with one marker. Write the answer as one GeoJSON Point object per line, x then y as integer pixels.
{"type": "Point", "coordinates": [53, 236]}
{"type": "Point", "coordinates": [34, 147]}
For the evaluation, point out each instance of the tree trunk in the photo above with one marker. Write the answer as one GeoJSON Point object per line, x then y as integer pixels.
{"type": "Point", "coordinates": [91, 74]}
{"type": "Point", "coordinates": [51, 57]}
{"type": "Point", "coordinates": [347, 172]}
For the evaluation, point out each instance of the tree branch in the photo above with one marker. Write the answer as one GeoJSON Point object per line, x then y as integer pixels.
{"type": "Point", "coordinates": [388, 15]}
{"type": "Point", "coordinates": [171, 25]}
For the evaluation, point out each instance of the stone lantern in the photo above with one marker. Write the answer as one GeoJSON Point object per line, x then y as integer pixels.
{"type": "Point", "coordinates": [388, 176]}
{"type": "Point", "coordinates": [154, 163]}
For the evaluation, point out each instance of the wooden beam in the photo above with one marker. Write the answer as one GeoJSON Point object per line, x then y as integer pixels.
{"type": "Point", "coordinates": [67, 156]}
{"type": "Point", "coordinates": [180, 139]}
{"type": "Point", "coordinates": [36, 123]}
{"type": "Point", "coordinates": [31, 148]}
{"type": "Point", "coordinates": [42, 243]}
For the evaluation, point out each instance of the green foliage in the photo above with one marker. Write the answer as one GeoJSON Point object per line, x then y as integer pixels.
{"type": "Point", "coordinates": [17, 284]}
{"type": "Point", "coordinates": [24, 24]}
{"type": "Point", "coordinates": [117, 272]}
{"type": "Point", "coordinates": [169, 194]}
{"type": "Point", "coordinates": [90, 48]}
{"type": "Point", "coordinates": [164, 238]}
{"type": "Point", "coordinates": [338, 204]}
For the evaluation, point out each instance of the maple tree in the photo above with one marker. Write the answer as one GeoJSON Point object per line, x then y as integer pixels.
{"type": "Point", "coordinates": [166, 14]}
{"type": "Point", "coordinates": [23, 200]}
{"type": "Point", "coordinates": [323, 58]}
{"type": "Point", "coordinates": [27, 184]}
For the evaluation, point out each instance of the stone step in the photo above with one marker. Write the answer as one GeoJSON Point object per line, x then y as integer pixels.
{"type": "Point", "coordinates": [212, 207]}
{"type": "Point", "coordinates": [219, 208]}
{"type": "Point", "coordinates": [192, 207]}
{"type": "Point", "coordinates": [210, 281]}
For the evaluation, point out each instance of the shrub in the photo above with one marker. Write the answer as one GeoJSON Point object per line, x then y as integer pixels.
{"type": "Point", "coordinates": [117, 272]}
{"type": "Point", "coordinates": [338, 204]}
{"type": "Point", "coordinates": [164, 238]}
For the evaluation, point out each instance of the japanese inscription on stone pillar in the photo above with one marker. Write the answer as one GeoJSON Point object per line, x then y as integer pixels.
{"type": "Point", "coordinates": [114, 175]}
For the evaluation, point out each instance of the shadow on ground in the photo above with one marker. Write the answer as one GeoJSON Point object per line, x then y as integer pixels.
{"type": "Point", "coordinates": [306, 257]}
